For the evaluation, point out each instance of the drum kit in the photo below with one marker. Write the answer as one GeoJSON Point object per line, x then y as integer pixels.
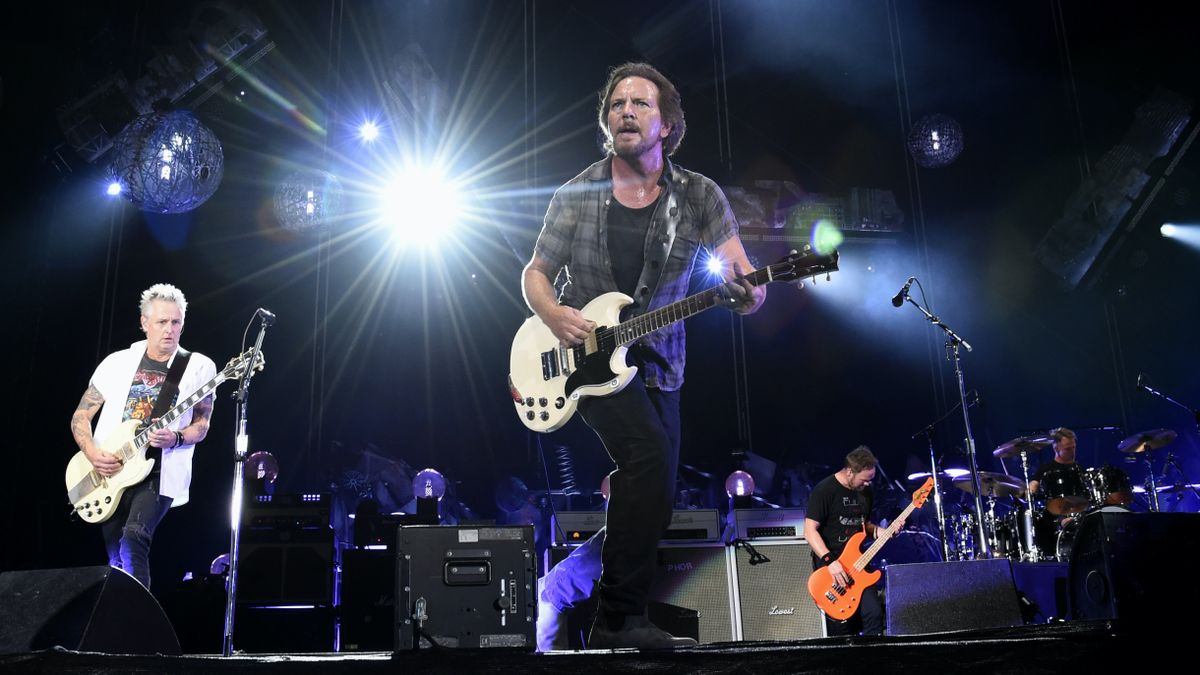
{"type": "Point", "coordinates": [1043, 528]}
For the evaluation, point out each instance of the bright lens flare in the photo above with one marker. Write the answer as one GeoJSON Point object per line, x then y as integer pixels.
{"type": "Point", "coordinates": [826, 238]}
{"type": "Point", "coordinates": [1168, 230]}
{"type": "Point", "coordinates": [419, 206]}
{"type": "Point", "coordinates": [714, 265]}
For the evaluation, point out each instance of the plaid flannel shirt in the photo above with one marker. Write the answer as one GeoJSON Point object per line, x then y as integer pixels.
{"type": "Point", "coordinates": [574, 239]}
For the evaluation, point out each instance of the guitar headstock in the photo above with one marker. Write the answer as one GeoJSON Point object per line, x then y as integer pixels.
{"type": "Point", "coordinates": [922, 493]}
{"type": "Point", "coordinates": [801, 264]}
{"type": "Point", "coordinates": [237, 365]}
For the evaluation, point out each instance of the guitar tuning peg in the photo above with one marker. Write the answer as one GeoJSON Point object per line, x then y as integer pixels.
{"type": "Point", "coordinates": [828, 277]}
{"type": "Point", "coordinates": [793, 252]}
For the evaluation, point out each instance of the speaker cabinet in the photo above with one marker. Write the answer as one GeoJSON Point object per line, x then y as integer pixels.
{"type": "Point", "coordinates": [284, 566]}
{"type": "Point", "coordinates": [96, 609]}
{"type": "Point", "coordinates": [1122, 566]}
{"type": "Point", "coordinates": [951, 596]}
{"type": "Point", "coordinates": [771, 597]}
{"type": "Point", "coordinates": [368, 600]}
{"type": "Point", "coordinates": [696, 577]}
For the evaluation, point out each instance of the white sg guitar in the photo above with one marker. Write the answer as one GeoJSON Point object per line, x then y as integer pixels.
{"type": "Point", "coordinates": [95, 497]}
{"type": "Point", "coordinates": [547, 380]}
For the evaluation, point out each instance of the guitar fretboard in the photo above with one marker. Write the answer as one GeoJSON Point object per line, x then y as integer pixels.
{"type": "Point", "coordinates": [639, 326]}
{"type": "Point", "coordinates": [140, 441]}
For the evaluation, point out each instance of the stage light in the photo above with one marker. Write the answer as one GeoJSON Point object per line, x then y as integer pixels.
{"type": "Point", "coordinates": [739, 484]}
{"type": "Point", "coordinates": [429, 484]}
{"type": "Point", "coordinates": [368, 131]}
{"type": "Point", "coordinates": [1167, 229]}
{"type": "Point", "coordinates": [826, 237]}
{"type": "Point", "coordinates": [935, 141]}
{"type": "Point", "coordinates": [114, 188]}
{"type": "Point", "coordinates": [714, 264]}
{"type": "Point", "coordinates": [419, 206]}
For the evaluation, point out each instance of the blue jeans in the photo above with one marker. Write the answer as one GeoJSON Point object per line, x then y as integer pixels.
{"type": "Point", "coordinates": [130, 530]}
{"type": "Point", "coordinates": [640, 430]}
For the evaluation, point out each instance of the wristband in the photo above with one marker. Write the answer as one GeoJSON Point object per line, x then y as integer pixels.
{"type": "Point", "coordinates": [178, 440]}
{"type": "Point", "coordinates": [828, 558]}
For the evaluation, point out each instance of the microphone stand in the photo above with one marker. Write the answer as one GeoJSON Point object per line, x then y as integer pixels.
{"type": "Point", "coordinates": [927, 432]}
{"type": "Point", "coordinates": [953, 342]}
{"type": "Point", "coordinates": [240, 444]}
{"type": "Point", "coordinates": [1195, 413]}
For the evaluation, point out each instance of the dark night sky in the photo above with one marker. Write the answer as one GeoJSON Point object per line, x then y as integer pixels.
{"type": "Point", "coordinates": [416, 346]}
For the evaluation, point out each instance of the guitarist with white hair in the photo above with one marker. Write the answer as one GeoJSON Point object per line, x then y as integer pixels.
{"type": "Point", "coordinates": [131, 382]}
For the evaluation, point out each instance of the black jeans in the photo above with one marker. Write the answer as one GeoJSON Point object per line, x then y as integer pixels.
{"type": "Point", "coordinates": [640, 430]}
{"type": "Point", "coordinates": [130, 530]}
{"type": "Point", "coordinates": [868, 618]}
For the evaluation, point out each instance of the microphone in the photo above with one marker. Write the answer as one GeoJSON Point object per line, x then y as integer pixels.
{"type": "Point", "coordinates": [899, 297]}
{"type": "Point", "coordinates": [268, 317]}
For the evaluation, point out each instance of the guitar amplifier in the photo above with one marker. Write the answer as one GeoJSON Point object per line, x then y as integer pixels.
{"type": "Point", "coordinates": [465, 587]}
{"type": "Point", "coordinates": [288, 554]}
{"type": "Point", "coordinates": [770, 524]}
{"type": "Point", "coordinates": [571, 528]}
{"type": "Point", "coordinates": [770, 596]}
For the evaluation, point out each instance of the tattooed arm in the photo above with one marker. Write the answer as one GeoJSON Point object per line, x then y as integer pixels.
{"type": "Point", "coordinates": [198, 429]}
{"type": "Point", "coordinates": [81, 430]}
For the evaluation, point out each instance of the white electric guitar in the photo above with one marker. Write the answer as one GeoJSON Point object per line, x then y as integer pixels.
{"type": "Point", "coordinates": [547, 380]}
{"type": "Point", "coordinates": [95, 497]}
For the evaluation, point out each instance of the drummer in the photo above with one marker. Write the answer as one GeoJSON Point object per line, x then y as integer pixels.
{"type": "Point", "coordinates": [1064, 458]}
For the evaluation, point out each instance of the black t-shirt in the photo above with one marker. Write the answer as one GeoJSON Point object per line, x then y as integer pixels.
{"type": "Point", "coordinates": [627, 242]}
{"type": "Point", "coordinates": [840, 511]}
{"type": "Point", "coordinates": [143, 391]}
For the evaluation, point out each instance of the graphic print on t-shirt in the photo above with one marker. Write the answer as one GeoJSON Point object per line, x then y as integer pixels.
{"type": "Point", "coordinates": [143, 391]}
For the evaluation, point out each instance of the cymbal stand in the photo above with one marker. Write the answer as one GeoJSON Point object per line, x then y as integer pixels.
{"type": "Point", "coordinates": [1183, 474]}
{"type": "Point", "coordinates": [928, 432]}
{"type": "Point", "coordinates": [1029, 547]}
{"type": "Point", "coordinates": [1153, 489]}
{"type": "Point", "coordinates": [993, 539]}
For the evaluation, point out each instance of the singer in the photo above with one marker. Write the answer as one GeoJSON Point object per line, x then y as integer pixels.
{"type": "Point", "coordinates": [132, 381]}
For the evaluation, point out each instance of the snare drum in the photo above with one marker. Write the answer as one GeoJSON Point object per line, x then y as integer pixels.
{"type": "Point", "coordinates": [1065, 490]}
{"type": "Point", "coordinates": [1109, 486]}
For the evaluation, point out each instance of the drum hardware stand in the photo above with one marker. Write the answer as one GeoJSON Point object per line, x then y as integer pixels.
{"type": "Point", "coordinates": [927, 432]}
{"type": "Point", "coordinates": [953, 342]}
{"type": "Point", "coordinates": [240, 444]}
{"type": "Point", "coordinates": [1186, 480]}
{"type": "Point", "coordinates": [1030, 551]}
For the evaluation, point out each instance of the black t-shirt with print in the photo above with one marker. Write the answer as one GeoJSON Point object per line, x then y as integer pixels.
{"type": "Point", "coordinates": [840, 511]}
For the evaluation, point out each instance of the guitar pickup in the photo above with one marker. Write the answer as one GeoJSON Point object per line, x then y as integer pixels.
{"type": "Point", "coordinates": [830, 596]}
{"type": "Point", "coordinates": [550, 367]}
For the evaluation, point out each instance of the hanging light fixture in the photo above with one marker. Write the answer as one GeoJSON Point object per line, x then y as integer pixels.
{"type": "Point", "coordinates": [308, 200]}
{"type": "Point", "coordinates": [167, 162]}
{"type": "Point", "coordinates": [935, 141]}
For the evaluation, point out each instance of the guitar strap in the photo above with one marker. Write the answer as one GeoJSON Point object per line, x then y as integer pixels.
{"type": "Point", "coordinates": [166, 397]}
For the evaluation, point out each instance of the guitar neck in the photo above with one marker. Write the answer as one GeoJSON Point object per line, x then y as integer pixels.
{"type": "Point", "coordinates": [178, 409]}
{"type": "Point", "coordinates": [638, 327]}
{"type": "Point", "coordinates": [882, 538]}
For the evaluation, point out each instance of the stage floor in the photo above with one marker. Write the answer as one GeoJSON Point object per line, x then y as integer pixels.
{"type": "Point", "coordinates": [1062, 647]}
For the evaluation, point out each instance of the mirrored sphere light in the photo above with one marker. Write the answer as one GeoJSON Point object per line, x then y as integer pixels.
{"type": "Point", "coordinates": [308, 200]}
{"type": "Point", "coordinates": [739, 484]}
{"type": "Point", "coordinates": [935, 141]}
{"type": "Point", "coordinates": [167, 162]}
{"type": "Point", "coordinates": [429, 483]}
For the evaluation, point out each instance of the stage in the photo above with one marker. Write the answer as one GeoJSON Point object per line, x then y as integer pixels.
{"type": "Point", "coordinates": [1077, 646]}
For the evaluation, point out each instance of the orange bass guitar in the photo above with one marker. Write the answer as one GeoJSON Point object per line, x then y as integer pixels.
{"type": "Point", "coordinates": [841, 602]}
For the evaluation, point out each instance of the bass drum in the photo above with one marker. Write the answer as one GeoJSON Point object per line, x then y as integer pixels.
{"type": "Point", "coordinates": [1066, 535]}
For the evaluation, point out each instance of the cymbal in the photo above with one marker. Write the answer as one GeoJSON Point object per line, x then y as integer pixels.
{"type": "Point", "coordinates": [952, 474]}
{"type": "Point", "coordinates": [999, 484]}
{"type": "Point", "coordinates": [1147, 440]}
{"type": "Point", "coordinates": [1022, 444]}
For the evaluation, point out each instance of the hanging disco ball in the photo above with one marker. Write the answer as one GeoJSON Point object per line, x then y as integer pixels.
{"type": "Point", "coordinates": [167, 162]}
{"type": "Point", "coordinates": [308, 200]}
{"type": "Point", "coordinates": [935, 141]}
